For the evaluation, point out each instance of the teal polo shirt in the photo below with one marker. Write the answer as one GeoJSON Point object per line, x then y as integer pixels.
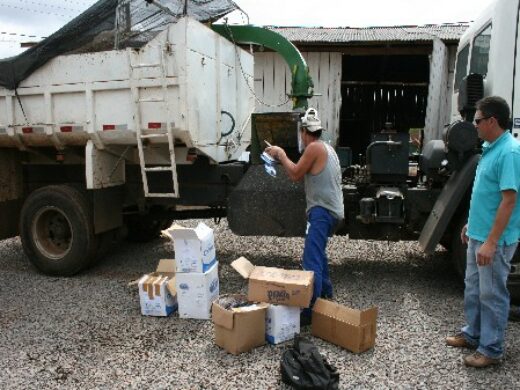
{"type": "Point", "coordinates": [498, 170]}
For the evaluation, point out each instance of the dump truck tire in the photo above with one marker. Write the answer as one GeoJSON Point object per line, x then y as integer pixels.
{"type": "Point", "coordinates": [57, 232]}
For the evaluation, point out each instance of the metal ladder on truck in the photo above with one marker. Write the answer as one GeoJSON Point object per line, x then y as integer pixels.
{"type": "Point", "coordinates": [146, 168]}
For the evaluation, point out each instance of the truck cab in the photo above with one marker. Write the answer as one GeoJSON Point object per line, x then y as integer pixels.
{"type": "Point", "coordinates": [487, 64]}
{"type": "Point", "coordinates": [489, 48]}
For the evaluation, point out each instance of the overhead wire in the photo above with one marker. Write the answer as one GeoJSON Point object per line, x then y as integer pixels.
{"type": "Point", "coordinates": [36, 11]}
{"type": "Point", "coordinates": [46, 9]}
{"type": "Point", "coordinates": [49, 5]}
{"type": "Point", "coordinates": [20, 35]}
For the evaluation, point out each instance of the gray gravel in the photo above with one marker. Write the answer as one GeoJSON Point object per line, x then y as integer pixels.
{"type": "Point", "coordinates": [87, 331]}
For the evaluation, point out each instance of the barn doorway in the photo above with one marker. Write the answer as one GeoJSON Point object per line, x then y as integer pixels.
{"type": "Point", "coordinates": [376, 89]}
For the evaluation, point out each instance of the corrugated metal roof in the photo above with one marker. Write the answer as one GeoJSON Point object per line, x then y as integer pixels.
{"type": "Point", "coordinates": [445, 32]}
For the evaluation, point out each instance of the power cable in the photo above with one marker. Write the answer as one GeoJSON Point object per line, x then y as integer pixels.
{"type": "Point", "coordinates": [50, 5]}
{"type": "Point", "coordinates": [20, 35]}
{"type": "Point", "coordinates": [82, 3]}
{"type": "Point", "coordinates": [36, 11]}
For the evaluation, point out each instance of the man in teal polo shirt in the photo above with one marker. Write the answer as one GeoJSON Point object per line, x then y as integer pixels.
{"type": "Point", "coordinates": [492, 234]}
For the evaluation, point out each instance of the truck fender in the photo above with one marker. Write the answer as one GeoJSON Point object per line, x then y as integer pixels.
{"type": "Point", "coordinates": [447, 203]}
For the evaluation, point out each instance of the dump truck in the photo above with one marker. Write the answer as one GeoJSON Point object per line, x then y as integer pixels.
{"type": "Point", "coordinates": [102, 142]}
{"type": "Point", "coordinates": [118, 127]}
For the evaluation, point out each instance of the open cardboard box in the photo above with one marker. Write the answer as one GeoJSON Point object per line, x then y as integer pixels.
{"type": "Point", "coordinates": [349, 328]}
{"type": "Point", "coordinates": [276, 285]}
{"type": "Point", "coordinates": [157, 292]}
{"type": "Point", "coordinates": [194, 248]}
{"type": "Point", "coordinates": [240, 329]}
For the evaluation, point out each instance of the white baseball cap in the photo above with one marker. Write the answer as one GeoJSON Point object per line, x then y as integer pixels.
{"type": "Point", "coordinates": [310, 121]}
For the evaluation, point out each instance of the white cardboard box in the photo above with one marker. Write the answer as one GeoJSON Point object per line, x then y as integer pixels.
{"type": "Point", "coordinates": [157, 292]}
{"type": "Point", "coordinates": [196, 292]}
{"type": "Point", "coordinates": [282, 323]}
{"type": "Point", "coordinates": [194, 248]}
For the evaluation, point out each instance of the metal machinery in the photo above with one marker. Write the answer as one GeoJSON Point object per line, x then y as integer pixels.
{"type": "Point", "coordinates": [392, 196]}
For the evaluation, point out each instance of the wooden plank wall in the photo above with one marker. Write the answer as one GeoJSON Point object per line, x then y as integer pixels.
{"type": "Point", "coordinates": [273, 83]}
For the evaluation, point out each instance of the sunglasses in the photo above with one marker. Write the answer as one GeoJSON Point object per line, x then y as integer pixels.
{"type": "Point", "coordinates": [477, 120]}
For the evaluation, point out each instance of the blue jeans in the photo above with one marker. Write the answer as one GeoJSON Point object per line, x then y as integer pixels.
{"type": "Point", "coordinates": [320, 225]}
{"type": "Point", "coordinates": [486, 299]}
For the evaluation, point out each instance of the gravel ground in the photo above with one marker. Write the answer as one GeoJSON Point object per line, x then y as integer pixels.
{"type": "Point", "coordinates": [87, 331]}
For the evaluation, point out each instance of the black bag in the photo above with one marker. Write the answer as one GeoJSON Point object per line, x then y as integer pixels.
{"type": "Point", "coordinates": [303, 367]}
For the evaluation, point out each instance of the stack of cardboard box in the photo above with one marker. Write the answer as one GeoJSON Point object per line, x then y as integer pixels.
{"type": "Point", "coordinates": [270, 311]}
{"type": "Point", "coordinates": [281, 294]}
{"type": "Point", "coordinates": [196, 279]}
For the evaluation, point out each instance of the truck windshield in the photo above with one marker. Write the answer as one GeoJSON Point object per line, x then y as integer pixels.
{"type": "Point", "coordinates": [462, 66]}
{"type": "Point", "coordinates": [480, 52]}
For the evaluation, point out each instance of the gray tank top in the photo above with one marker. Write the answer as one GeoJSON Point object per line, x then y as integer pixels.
{"type": "Point", "coordinates": [324, 189]}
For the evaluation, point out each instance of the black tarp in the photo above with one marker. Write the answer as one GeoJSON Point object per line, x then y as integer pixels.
{"type": "Point", "coordinates": [127, 22]}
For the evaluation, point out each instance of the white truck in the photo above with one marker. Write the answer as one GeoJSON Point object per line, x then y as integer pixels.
{"type": "Point", "coordinates": [489, 48]}
{"type": "Point", "coordinates": [487, 63]}
{"type": "Point", "coordinates": [90, 142]}
{"type": "Point", "coordinates": [97, 143]}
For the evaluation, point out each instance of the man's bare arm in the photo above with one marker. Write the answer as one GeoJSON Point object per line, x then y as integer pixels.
{"type": "Point", "coordinates": [297, 171]}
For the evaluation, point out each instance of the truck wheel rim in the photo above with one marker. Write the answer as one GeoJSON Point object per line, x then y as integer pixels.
{"type": "Point", "coordinates": [52, 232]}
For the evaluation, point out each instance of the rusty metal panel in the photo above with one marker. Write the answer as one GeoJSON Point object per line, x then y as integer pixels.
{"type": "Point", "coordinates": [10, 175]}
{"type": "Point", "coordinates": [108, 212]}
{"type": "Point", "coordinates": [278, 128]}
{"type": "Point", "coordinates": [11, 192]}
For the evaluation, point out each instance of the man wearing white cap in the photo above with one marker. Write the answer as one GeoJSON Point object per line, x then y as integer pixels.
{"type": "Point", "coordinates": [320, 168]}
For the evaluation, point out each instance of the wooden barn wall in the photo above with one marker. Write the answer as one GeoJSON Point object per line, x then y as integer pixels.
{"type": "Point", "coordinates": [273, 83]}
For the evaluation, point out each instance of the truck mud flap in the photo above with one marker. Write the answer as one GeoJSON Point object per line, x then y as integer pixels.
{"type": "Point", "coordinates": [446, 205]}
{"type": "Point", "coordinates": [11, 192]}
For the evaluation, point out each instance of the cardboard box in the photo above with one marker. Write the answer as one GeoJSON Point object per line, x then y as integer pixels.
{"type": "Point", "coordinates": [349, 328]}
{"type": "Point", "coordinates": [282, 323]}
{"type": "Point", "coordinates": [194, 248]}
{"type": "Point", "coordinates": [196, 292]}
{"type": "Point", "coordinates": [276, 285]}
{"type": "Point", "coordinates": [241, 329]}
{"type": "Point", "coordinates": [157, 292]}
